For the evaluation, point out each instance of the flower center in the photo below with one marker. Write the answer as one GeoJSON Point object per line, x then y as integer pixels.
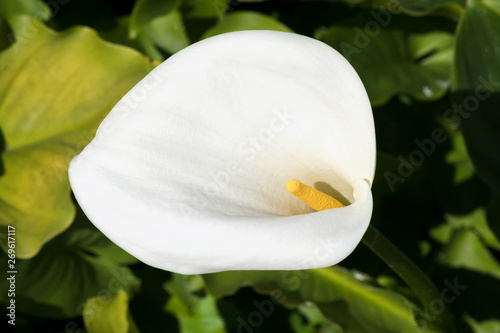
{"type": "Point", "coordinates": [315, 199]}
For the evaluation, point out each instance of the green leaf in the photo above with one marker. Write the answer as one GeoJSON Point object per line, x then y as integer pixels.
{"type": "Point", "coordinates": [420, 8]}
{"type": "Point", "coordinates": [82, 256]}
{"type": "Point", "coordinates": [316, 322]}
{"type": "Point", "coordinates": [459, 157]}
{"type": "Point", "coordinates": [486, 326]}
{"type": "Point", "coordinates": [34, 8]}
{"type": "Point", "coordinates": [478, 28]}
{"type": "Point", "coordinates": [108, 314]}
{"type": "Point", "coordinates": [392, 62]}
{"type": "Point", "coordinates": [117, 32]}
{"type": "Point", "coordinates": [466, 250]}
{"type": "Point", "coordinates": [195, 313]}
{"type": "Point", "coordinates": [246, 20]}
{"type": "Point", "coordinates": [475, 220]}
{"type": "Point", "coordinates": [343, 297]}
{"type": "Point", "coordinates": [166, 33]}
{"type": "Point", "coordinates": [204, 9]}
{"type": "Point", "coordinates": [451, 8]}
{"type": "Point", "coordinates": [476, 94]}
{"type": "Point", "coordinates": [146, 10]}
{"type": "Point", "coordinates": [55, 89]}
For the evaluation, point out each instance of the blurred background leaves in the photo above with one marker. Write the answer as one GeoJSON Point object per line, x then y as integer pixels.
{"type": "Point", "coordinates": [432, 73]}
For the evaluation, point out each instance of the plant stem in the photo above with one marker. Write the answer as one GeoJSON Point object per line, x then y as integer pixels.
{"type": "Point", "coordinates": [417, 280]}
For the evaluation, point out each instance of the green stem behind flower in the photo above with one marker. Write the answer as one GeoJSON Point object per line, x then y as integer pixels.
{"type": "Point", "coordinates": [417, 280]}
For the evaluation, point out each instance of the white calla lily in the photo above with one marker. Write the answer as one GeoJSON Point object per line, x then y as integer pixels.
{"type": "Point", "coordinates": [188, 172]}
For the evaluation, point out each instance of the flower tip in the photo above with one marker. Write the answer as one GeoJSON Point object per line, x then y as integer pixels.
{"type": "Point", "coordinates": [293, 186]}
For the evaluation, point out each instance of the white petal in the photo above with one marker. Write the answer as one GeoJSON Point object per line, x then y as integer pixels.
{"type": "Point", "coordinates": [188, 171]}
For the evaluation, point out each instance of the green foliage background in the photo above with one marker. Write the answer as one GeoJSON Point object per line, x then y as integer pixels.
{"type": "Point", "coordinates": [432, 72]}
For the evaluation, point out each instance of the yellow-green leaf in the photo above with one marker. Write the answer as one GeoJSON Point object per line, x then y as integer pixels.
{"type": "Point", "coordinates": [108, 314]}
{"type": "Point", "coordinates": [35, 8]}
{"type": "Point", "coordinates": [55, 89]}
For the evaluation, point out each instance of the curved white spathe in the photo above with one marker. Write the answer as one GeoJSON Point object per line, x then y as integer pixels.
{"type": "Point", "coordinates": [188, 172]}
